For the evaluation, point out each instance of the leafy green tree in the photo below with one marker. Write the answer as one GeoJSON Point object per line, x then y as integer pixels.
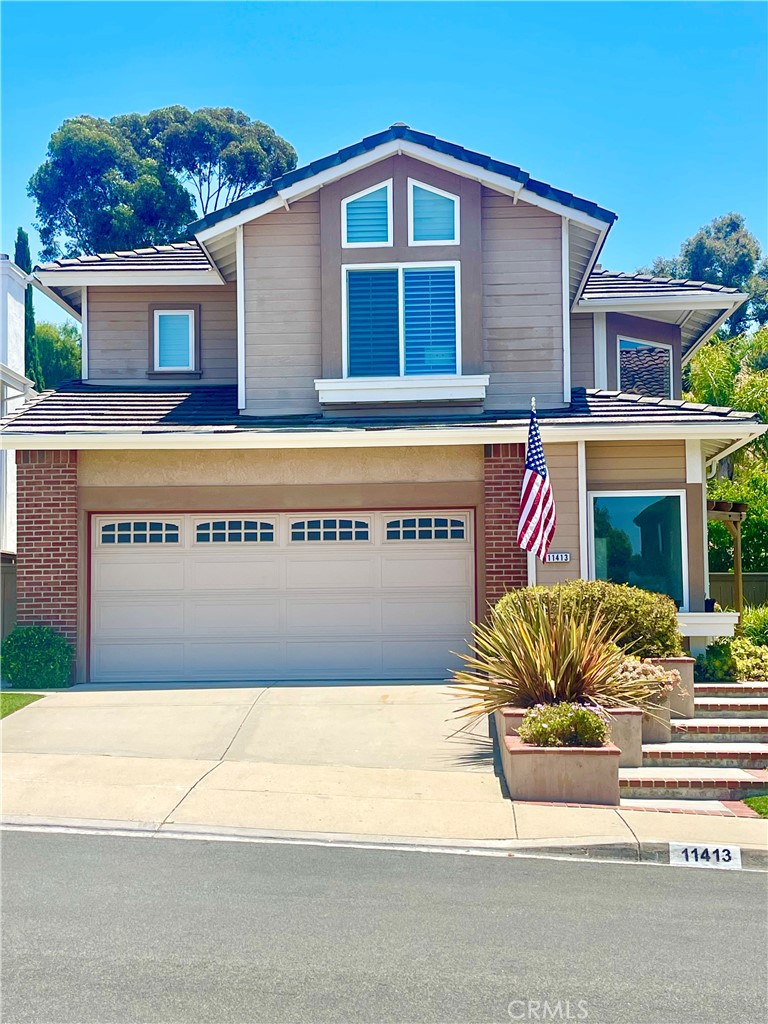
{"type": "Point", "coordinates": [724, 252]}
{"type": "Point", "coordinates": [750, 484]}
{"type": "Point", "coordinates": [23, 259]}
{"type": "Point", "coordinates": [125, 182]}
{"type": "Point", "coordinates": [58, 346]}
{"type": "Point", "coordinates": [734, 372]}
{"type": "Point", "coordinates": [219, 152]}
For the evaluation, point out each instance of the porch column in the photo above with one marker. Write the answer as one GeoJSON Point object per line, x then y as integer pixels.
{"type": "Point", "coordinates": [47, 540]}
{"type": "Point", "coordinates": [506, 566]}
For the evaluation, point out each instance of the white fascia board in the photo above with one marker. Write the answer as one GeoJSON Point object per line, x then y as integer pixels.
{"type": "Point", "coordinates": [401, 389]}
{"type": "Point", "coordinates": [697, 300]}
{"type": "Point", "coordinates": [343, 437]}
{"type": "Point", "coordinates": [599, 243]}
{"type": "Point", "coordinates": [120, 278]}
{"type": "Point", "coordinates": [709, 332]}
{"type": "Point", "coordinates": [578, 216]}
{"type": "Point", "coordinates": [55, 297]}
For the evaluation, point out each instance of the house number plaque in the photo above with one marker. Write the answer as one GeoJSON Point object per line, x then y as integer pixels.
{"type": "Point", "coordinates": [558, 556]}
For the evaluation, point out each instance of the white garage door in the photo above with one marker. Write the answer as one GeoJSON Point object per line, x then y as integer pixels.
{"type": "Point", "coordinates": [364, 595]}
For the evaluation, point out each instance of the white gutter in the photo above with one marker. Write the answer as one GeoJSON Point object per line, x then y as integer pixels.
{"type": "Point", "coordinates": [342, 437]}
{"type": "Point", "coordinates": [697, 300]}
{"type": "Point", "coordinates": [119, 278]}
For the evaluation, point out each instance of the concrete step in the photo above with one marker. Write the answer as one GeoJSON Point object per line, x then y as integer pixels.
{"type": "Point", "coordinates": [692, 783]}
{"type": "Point", "coordinates": [720, 730]}
{"type": "Point", "coordinates": [705, 755]}
{"type": "Point", "coordinates": [731, 707]}
{"type": "Point", "coordinates": [731, 689]}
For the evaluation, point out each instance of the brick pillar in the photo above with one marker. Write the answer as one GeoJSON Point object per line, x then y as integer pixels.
{"type": "Point", "coordinates": [506, 566]}
{"type": "Point", "coordinates": [46, 566]}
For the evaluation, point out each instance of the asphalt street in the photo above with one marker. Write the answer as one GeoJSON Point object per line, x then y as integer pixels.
{"type": "Point", "coordinates": [109, 930]}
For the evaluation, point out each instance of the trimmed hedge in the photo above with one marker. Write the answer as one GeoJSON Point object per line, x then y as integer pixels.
{"type": "Point", "coordinates": [36, 658]}
{"type": "Point", "coordinates": [645, 623]}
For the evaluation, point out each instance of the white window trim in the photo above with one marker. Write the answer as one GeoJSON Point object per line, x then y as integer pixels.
{"type": "Point", "coordinates": [650, 344]}
{"type": "Point", "coordinates": [190, 315]}
{"type": "Point", "coordinates": [456, 240]}
{"type": "Point", "coordinates": [400, 267]}
{"type": "Point", "coordinates": [358, 195]}
{"type": "Point", "coordinates": [656, 492]}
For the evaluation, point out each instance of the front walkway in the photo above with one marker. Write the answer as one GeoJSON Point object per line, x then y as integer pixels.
{"type": "Point", "coordinates": [373, 761]}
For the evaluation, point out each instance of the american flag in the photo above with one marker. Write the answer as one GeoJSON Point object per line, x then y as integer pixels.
{"type": "Point", "coordinates": [537, 502]}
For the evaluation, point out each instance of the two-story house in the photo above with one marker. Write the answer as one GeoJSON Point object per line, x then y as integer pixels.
{"type": "Point", "coordinates": [297, 447]}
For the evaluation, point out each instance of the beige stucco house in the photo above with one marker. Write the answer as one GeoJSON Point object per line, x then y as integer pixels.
{"type": "Point", "coordinates": [297, 447]}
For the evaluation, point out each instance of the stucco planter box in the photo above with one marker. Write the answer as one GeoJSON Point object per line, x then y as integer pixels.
{"type": "Point", "coordinates": [681, 699]}
{"type": "Point", "coordinates": [626, 727]}
{"type": "Point", "coordinates": [572, 775]}
{"type": "Point", "coordinates": [656, 726]}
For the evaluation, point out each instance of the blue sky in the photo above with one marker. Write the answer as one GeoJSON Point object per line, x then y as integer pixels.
{"type": "Point", "coordinates": [656, 110]}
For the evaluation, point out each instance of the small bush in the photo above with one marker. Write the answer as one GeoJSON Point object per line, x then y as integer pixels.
{"type": "Point", "coordinates": [751, 660]}
{"type": "Point", "coordinates": [563, 725]}
{"type": "Point", "coordinates": [754, 622]}
{"type": "Point", "coordinates": [645, 623]}
{"type": "Point", "coordinates": [36, 657]}
{"type": "Point", "coordinates": [728, 660]}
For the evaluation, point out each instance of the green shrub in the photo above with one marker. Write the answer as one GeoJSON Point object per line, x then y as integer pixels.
{"type": "Point", "coordinates": [563, 725]}
{"type": "Point", "coordinates": [754, 622]}
{"type": "Point", "coordinates": [36, 657]}
{"type": "Point", "coordinates": [728, 660]}
{"type": "Point", "coordinates": [751, 659]}
{"type": "Point", "coordinates": [645, 623]}
{"type": "Point", "coordinates": [536, 652]}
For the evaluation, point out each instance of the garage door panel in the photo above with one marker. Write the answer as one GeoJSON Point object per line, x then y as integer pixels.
{"type": "Point", "coordinates": [343, 616]}
{"type": "Point", "coordinates": [129, 617]}
{"type": "Point", "coordinates": [236, 659]}
{"type": "Point", "coordinates": [219, 615]}
{"type": "Point", "coordinates": [306, 572]}
{"type": "Point", "coordinates": [409, 614]}
{"type": "Point", "coordinates": [437, 569]}
{"type": "Point", "coordinates": [139, 575]}
{"type": "Point", "coordinates": [381, 607]}
{"type": "Point", "coordinates": [133, 662]}
{"type": "Point", "coordinates": [223, 574]}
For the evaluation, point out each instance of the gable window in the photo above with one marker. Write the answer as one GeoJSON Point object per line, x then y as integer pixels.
{"type": "Point", "coordinates": [366, 218]}
{"type": "Point", "coordinates": [433, 215]}
{"type": "Point", "coordinates": [174, 340]}
{"type": "Point", "coordinates": [645, 368]}
{"type": "Point", "coordinates": [638, 537]}
{"type": "Point", "coordinates": [401, 320]}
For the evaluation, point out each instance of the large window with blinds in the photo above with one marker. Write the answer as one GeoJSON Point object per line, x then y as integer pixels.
{"type": "Point", "coordinates": [402, 320]}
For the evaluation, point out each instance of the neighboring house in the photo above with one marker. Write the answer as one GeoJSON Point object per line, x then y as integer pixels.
{"type": "Point", "coordinates": [14, 387]}
{"type": "Point", "coordinates": [298, 444]}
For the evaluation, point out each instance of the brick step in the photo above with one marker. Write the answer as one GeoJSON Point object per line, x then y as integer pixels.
{"type": "Point", "coordinates": [731, 689]}
{"type": "Point", "coordinates": [720, 730]}
{"type": "Point", "coordinates": [731, 707]}
{"type": "Point", "coordinates": [692, 783]}
{"type": "Point", "coordinates": [705, 755]}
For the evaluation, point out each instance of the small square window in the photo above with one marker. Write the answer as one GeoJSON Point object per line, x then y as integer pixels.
{"type": "Point", "coordinates": [174, 339]}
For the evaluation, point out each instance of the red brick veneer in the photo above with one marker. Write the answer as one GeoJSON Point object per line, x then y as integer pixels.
{"type": "Point", "coordinates": [506, 566]}
{"type": "Point", "coordinates": [46, 567]}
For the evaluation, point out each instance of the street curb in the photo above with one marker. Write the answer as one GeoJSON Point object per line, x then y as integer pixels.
{"type": "Point", "coordinates": [595, 849]}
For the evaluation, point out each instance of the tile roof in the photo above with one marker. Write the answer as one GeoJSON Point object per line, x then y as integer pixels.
{"type": "Point", "coordinates": [86, 408]}
{"type": "Point", "coordinates": [184, 256]}
{"type": "Point", "coordinates": [610, 284]}
{"type": "Point", "coordinates": [403, 131]}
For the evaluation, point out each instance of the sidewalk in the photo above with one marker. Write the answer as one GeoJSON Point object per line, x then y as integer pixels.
{"type": "Point", "coordinates": [338, 803]}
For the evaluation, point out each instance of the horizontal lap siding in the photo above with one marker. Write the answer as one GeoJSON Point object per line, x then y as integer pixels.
{"type": "Point", "coordinates": [118, 331]}
{"type": "Point", "coordinates": [563, 468]}
{"type": "Point", "coordinates": [522, 307]}
{"type": "Point", "coordinates": [283, 310]}
{"type": "Point", "coordinates": [642, 466]}
{"type": "Point", "coordinates": [582, 351]}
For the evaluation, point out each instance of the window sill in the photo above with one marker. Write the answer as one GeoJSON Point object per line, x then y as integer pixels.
{"type": "Point", "coordinates": [175, 374]}
{"type": "Point", "coordinates": [445, 388]}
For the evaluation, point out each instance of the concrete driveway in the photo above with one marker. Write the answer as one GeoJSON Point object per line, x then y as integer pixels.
{"type": "Point", "coordinates": [373, 759]}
